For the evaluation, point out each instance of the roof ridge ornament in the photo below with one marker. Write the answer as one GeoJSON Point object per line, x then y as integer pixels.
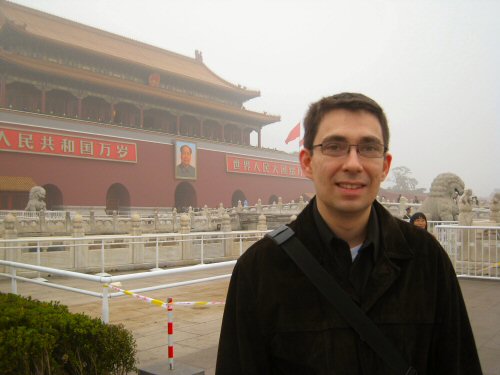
{"type": "Point", "coordinates": [198, 56]}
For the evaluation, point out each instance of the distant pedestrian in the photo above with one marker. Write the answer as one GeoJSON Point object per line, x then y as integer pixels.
{"type": "Point", "coordinates": [419, 220]}
{"type": "Point", "coordinates": [407, 215]}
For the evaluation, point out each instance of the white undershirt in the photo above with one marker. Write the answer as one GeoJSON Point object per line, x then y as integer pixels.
{"type": "Point", "coordinates": [355, 250]}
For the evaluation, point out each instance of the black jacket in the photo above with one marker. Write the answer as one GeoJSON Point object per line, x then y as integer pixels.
{"type": "Point", "coordinates": [276, 322]}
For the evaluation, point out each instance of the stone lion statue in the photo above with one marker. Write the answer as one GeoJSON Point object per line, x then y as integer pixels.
{"type": "Point", "coordinates": [441, 205]}
{"type": "Point", "coordinates": [36, 201]}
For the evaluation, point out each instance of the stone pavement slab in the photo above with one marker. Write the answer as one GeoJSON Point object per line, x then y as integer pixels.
{"type": "Point", "coordinates": [196, 330]}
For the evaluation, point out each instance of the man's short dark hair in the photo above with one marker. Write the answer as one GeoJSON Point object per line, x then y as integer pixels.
{"type": "Point", "coordinates": [350, 101]}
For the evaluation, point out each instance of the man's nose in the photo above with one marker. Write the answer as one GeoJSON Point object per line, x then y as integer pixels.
{"type": "Point", "coordinates": [352, 161]}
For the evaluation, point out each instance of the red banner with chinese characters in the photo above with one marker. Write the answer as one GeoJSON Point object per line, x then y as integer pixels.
{"type": "Point", "coordinates": [64, 145]}
{"type": "Point", "coordinates": [241, 164]}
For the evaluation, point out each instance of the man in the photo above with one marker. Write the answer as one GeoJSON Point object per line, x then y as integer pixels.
{"type": "Point", "coordinates": [407, 215]}
{"type": "Point", "coordinates": [275, 320]}
{"type": "Point", "coordinates": [184, 169]}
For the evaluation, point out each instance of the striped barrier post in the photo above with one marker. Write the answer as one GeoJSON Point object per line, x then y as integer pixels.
{"type": "Point", "coordinates": [169, 305]}
{"type": "Point", "coordinates": [170, 330]}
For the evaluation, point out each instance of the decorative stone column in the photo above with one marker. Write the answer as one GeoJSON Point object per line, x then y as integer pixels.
{"type": "Point", "coordinates": [174, 219]}
{"type": "Point", "coordinates": [9, 251]}
{"type": "Point", "coordinates": [80, 250]}
{"type": "Point", "coordinates": [280, 204]}
{"type": "Point", "coordinates": [259, 205]}
{"type": "Point", "coordinates": [228, 240]}
{"type": "Point", "coordinates": [301, 205]}
{"type": "Point", "coordinates": [403, 203]}
{"type": "Point", "coordinates": [495, 209]}
{"type": "Point", "coordinates": [137, 244]}
{"type": "Point", "coordinates": [469, 251]}
{"type": "Point", "coordinates": [262, 223]}
{"type": "Point", "coordinates": [187, 242]}
{"type": "Point", "coordinates": [42, 221]}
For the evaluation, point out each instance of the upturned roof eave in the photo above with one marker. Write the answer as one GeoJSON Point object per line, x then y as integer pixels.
{"type": "Point", "coordinates": [67, 72]}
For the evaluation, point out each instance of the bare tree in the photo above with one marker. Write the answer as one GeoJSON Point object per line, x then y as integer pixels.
{"type": "Point", "coordinates": [401, 177]}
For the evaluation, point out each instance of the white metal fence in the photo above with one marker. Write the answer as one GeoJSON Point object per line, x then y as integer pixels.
{"type": "Point", "coordinates": [474, 251]}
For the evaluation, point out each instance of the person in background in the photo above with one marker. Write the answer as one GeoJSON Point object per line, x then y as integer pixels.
{"type": "Point", "coordinates": [419, 220]}
{"type": "Point", "coordinates": [277, 322]}
{"type": "Point", "coordinates": [407, 215]}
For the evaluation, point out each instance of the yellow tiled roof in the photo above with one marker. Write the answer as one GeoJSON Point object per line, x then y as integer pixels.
{"type": "Point", "coordinates": [69, 33]}
{"type": "Point", "coordinates": [16, 183]}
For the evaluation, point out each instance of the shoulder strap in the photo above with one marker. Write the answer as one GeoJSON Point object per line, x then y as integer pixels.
{"type": "Point", "coordinates": [352, 313]}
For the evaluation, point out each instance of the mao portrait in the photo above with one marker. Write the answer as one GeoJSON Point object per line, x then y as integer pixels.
{"type": "Point", "coordinates": [185, 160]}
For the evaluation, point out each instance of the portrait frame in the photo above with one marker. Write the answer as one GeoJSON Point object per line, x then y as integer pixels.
{"type": "Point", "coordinates": [183, 171]}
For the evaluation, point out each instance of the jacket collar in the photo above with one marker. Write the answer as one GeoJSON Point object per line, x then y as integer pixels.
{"type": "Point", "coordinates": [393, 249]}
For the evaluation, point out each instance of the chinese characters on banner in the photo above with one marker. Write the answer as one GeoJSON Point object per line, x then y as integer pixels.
{"type": "Point", "coordinates": [239, 164]}
{"type": "Point", "coordinates": [64, 145]}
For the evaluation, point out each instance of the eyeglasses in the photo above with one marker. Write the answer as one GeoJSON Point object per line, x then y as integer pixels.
{"type": "Point", "coordinates": [341, 148]}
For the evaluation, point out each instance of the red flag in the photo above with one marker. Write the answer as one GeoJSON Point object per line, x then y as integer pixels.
{"type": "Point", "coordinates": [294, 133]}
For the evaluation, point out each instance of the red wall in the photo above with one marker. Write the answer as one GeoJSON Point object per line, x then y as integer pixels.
{"type": "Point", "coordinates": [151, 181]}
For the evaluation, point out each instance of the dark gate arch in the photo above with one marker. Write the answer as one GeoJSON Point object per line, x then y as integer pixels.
{"type": "Point", "coordinates": [53, 197]}
{"type": "Point", "coordinates": [273, 199]}
{"type": "Point", "coordinates": [117, 199]}
{"type": "Point", "coordinates": [185, 197]}
{"type": "Point", "coordinates": [238, 195]}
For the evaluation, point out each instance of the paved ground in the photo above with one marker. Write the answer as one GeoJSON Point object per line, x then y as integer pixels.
{"type": "Point", "coordinates": [197, 329]}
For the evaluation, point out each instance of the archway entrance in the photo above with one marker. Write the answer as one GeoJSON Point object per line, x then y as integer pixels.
{"type": "Point", "coordinates": [238, 195]}
{"type": "Point", "coordinates": [272, 199]}
{"type": "Point", "coordinates": [53, 197]}
{"type": "Point", "coordinates": [185, 197]}
{"type": "Point", "coordinates": [117, 199]}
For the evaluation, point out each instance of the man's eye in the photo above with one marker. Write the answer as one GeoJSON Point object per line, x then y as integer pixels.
{"type": "Point", "coordinates": [333, 146]}
{"type": "Point", "coordinates": [370, 147]}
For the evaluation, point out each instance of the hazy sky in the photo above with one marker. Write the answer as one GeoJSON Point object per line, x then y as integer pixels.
{"type": "Point", "coordinates": [432, 65]}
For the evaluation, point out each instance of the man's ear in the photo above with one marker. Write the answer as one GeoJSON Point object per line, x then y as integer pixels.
{"type": "Point", "coordinates": [386, 166]}
{"type": "Point", "coordinates": [305, 162]}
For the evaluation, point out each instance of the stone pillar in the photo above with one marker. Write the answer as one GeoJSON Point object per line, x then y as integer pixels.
{"type": "Point", "coordinates": [403, 203]}
{"type": "Point", "coordinates": [301, 204]}
{"type": "Point", "coordinates": [174, 219]}
{"type": "Point", "coordinates": [115, 221]}
{"type": "Point", "coordinates": [187, 251]}
{"type": "Point", "coordinates": [280, 204]}
{"type": "Point", "coordinates": [259, 206]}
{"type": "Point", "coordinates": [42, 222]}
{"type": "Point", "coordinates": [136, 243]}
{"type": "Point", "coordinates": [9, 251]}
{"type": "Point", "coordinates": [262, 223]}
{"type": "Point", "coordinates": [206, 213]}
{"type": "Point", "coordinates": [495, 209]}
{"type": "Point", "coordinates": [80, 250]}
{"type": "Point", "coordinates": [156, 218]}
{"type": "Point", "coordinates": [68, 222]}
{"type": "Point", "coordinates": [239, 207]}
{"type": "Point", "coordinates": [92, 221]}
{"type": "Point", "coordinates": [228, 241]}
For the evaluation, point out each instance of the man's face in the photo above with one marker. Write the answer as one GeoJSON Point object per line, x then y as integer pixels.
{"type": "Point", "coordinates": [346, 186]}
{"type": "Point", "coordinates": [185, 156]}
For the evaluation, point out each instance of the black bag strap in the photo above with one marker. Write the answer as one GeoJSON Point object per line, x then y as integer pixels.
{"type": "Point", "coordinates": [352, 313]}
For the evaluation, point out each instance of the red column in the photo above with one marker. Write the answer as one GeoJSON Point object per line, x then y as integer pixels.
{"type": "Point", "coordinates": [43, 101]}
{"type": "Point", "coordinates": [3, 93]}
{"type": "Point", "coordinates": [141, 125]}
{"type": "Point", "coordinates": [79, 108]}
{"type": "Point", "coordinates": [259, 139]}
{"type": "Point", "coordinates": [112, 109]}
{"type": "Point", "coordinates": [178, 125]}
